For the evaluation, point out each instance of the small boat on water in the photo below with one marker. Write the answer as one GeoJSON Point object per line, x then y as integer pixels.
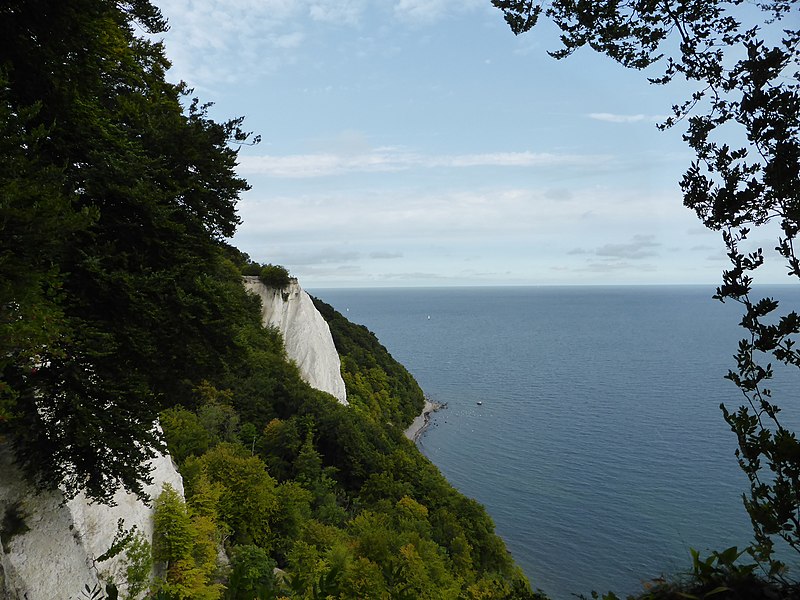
{"type": "Point", "coordinates": [480, 403]}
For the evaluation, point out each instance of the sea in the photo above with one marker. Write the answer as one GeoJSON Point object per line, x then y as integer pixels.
{"type": "Point", "coordinates": [585, 419]}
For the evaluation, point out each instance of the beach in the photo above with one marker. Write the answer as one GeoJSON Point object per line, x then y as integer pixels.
{"type": "Point", "coordinates": [421, 422]}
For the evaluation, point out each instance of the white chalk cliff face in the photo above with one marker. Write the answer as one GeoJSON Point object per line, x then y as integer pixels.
{"type": "Point", "coordinates": [52, 549]}
{"type": "Point", "coordinates": [306, 334]}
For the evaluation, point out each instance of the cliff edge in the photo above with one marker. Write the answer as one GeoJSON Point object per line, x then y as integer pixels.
{"type": "Point", "coordinates": [306, 336]}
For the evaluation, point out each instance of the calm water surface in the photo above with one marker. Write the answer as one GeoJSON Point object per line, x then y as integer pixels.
{"type": "Point", "coordinates": [598, 447]}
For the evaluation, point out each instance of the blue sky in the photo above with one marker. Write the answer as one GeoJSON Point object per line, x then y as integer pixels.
{"type": "Point", "coordinates": [419, 142]}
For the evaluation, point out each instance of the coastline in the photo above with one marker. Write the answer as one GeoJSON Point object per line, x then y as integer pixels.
{"type": "Point", "coordinates": [422, 421]}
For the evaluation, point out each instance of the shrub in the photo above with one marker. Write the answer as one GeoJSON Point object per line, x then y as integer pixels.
{"type": "Point", "coordinates": [251, 268]}
{"type": "Point", "coordinates": [252, 573]}
{"type": "Point", "coordinates": [274, 276]}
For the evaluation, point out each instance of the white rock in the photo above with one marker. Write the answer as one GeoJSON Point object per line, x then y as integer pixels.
{"type": "Point", "coordinates": [306, 335]}
{"type": "Point", "coordinates": [56, 557]}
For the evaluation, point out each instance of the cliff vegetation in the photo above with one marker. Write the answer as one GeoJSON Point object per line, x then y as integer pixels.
{"type": "Point", "coordinates": [377, 385]}
{"type": "Point", "coordinates": [121, 304]}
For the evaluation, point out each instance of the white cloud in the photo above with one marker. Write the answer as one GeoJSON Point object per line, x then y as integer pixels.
{"type": "Point", "coordinates": [289, 40]}
{"type": "Point", "coordinates": [213, 43]}
{"type": "Point", "coordinates": [612, 118]}
{"type": "Point", "coordinates": [416, 276]}
{"type": "Point", "coordinates": [315, 165]}
{"type": "Point", "coordinates": [371, 217]}
{"type": "Point", "coordinates": [341, 12]}
{"type": "Point", "coordinates": [639, 247]}
{"type": "Point", "coordinates": [389, 160]}
{"type": "Point", "coordinates": [614, 266]}
{"type": "Point", "coordinates": [218, 42]}
{"type": "Point", "coordinates": [316, 229]}
{"type": "Point", "coordinates": [420, 10]}
{"type": "Point", "coordinates": [615, 118]}
{"type": "Point", "coordinates": [512, 159]}
{"type": "Point", "coordinates": [429, 11]}
{"type": "Point", "coordinates": [323, 256]}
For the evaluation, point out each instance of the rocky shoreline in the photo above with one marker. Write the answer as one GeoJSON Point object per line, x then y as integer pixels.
{"type": "Point", "coordinates": [422, 421]}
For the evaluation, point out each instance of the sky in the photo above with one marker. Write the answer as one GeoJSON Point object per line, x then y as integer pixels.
{"type": "Point", "coordinates": [420, 143]}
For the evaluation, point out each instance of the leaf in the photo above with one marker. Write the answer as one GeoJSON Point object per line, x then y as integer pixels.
{"type": "Point", "coordinates": [729, 556]}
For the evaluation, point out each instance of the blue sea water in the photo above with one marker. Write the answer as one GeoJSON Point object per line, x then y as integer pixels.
{"type": "Point", "coordinates": [598, 446]}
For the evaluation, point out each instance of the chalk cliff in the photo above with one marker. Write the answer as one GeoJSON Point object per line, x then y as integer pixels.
{"type": "Point", "coordinates": [49, 549]}
{"type": "Point", "coordinates": [306, 335]}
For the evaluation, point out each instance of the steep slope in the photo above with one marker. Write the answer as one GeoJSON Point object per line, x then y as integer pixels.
{"type": "Point", "coordinates": [50, 548]}
{"type": "Point", "coordinates": [306, 334]}
{"type": "Point", "coordinates": [376, 383]}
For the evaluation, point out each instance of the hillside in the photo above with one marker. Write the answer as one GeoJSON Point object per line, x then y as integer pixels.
{"type": "Point", "coordinates": [378, 385]}
{"type": "Point", "coordinates": [122, 306]}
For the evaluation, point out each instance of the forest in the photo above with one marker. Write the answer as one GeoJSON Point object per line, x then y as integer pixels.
{"type": "Point", "coordinates": [123, 305]}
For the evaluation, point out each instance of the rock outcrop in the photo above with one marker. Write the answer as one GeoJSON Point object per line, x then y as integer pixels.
{"type": "Point", "coordinates": [306, 335]}
{"type": "Point", "coordinates": [49, 548]}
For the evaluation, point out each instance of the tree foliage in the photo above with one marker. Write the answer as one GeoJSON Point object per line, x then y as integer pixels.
{"type": "Point", "coordinates": [251, 574]}
{"type": "Point", "coordinates": [115, 282]}
{"type": "Point", "coordinates": [376, 383]}
{"type": "Point", "coordinates": [357, 510]}
{"type": "Point", "coordinates": [121, 302]}
{"type": "Point", "coordinates": [275, 276]}
{"type": "Point", "coordinates": [185, 549]}
{"type": "Point", "coordinates": [742, 60]}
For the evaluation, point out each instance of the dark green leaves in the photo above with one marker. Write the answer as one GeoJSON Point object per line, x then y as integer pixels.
{"type": "Point", "coordinates": [116, 296]}
{"type": "Point", "coordinates": [521, 15]}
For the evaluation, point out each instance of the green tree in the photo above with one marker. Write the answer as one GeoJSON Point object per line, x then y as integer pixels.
{"type": "Point", "coordinates": [139, 561]}
{"type": "Point", "coordinates": [117, 290]}
{"type": "Point", "coordinates": [279, 446]}
{"type": "Point", "coordinates": [294, 510]}
{"type": "Point", "coordinates": [410, 515]}
{"type": "Point", "coordinates": [248, 502]}
{"type": "Point", "coordinates": [374, 536]}
{"type": "Point", "coordinates": [172, 540]}
{"type": "Point", "coordinates": [308, 567]}
{"type": "Point", "coordinates": [742, 121]}
{"type": "Point", "coordinates": [275, 276]}
{"type": "Point", "coordinates": [184, 433]}
{"type": "Point", "coordinates": [363, 579]}
{"type": "Point", "coordinates": [251, 574]}
{"type": "Point", "coordinates": [216, 414]}
{"type": "Point", "coordinates": [421, 574]}
{"type": "Point", "coordinates": [185, 548]}
{"type": "Point", "coordinates": [308, 464]}
{"type": "Point", "coordinates": [37, 221]}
